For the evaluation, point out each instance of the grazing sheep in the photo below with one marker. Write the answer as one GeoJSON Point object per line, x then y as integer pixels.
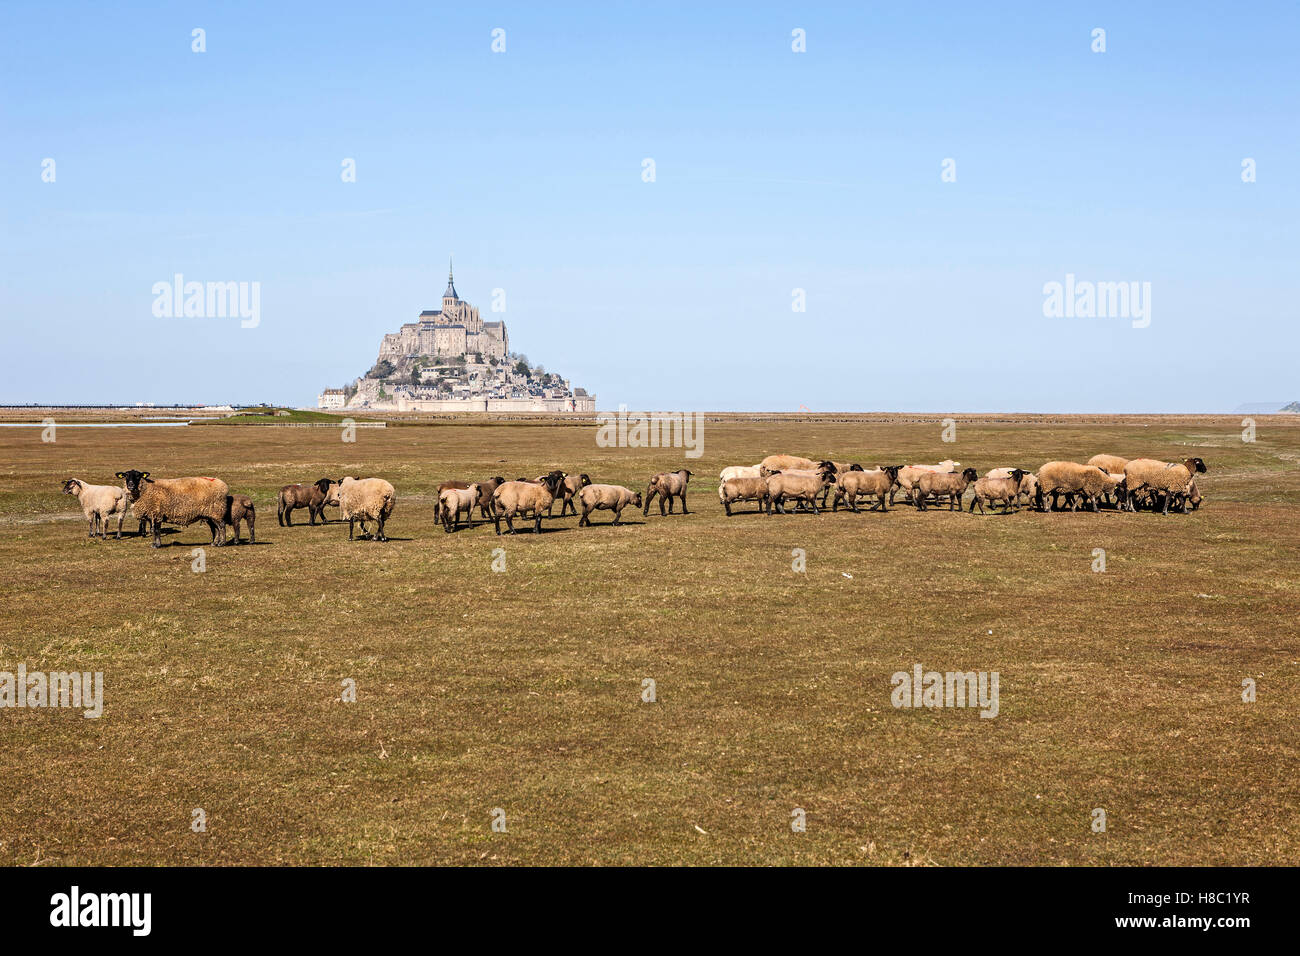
{"type": "Point", "coordinates": [1162, 479]}
{"type": "Point", "coordinates": [804, 487]}
{"type": "Point", "coordinates": [570, 485]}
{"type": "Point", "coordinates": [1001, 488]}
{"type": "Point", "coordinates": [240, 508]}
{"type": "Point", "coordinates": [747, 488]}
{"type": "Point", "coordinates": [740, 471]}
{"type": "Point", "coordinates": [908, 476]}
{"type": "Point", "coordinates": [452, 502]}
{"type": "Point", "coordinates": [942, 483]}
{"type": "Point", "coordinates": [606, 497]}
{"type": "Point", "coordinates": [313, 497]}
{"type": "Point", "coordinates": [182, 501]}
{"type": "Point", "coordinates": [98, 504]}
{"type": "Point", "coordinates": [364, 500]}
{"type": "Point", "coordinates": [849, 485]}
{"type": "Point", "coordinates": [1193, 496]}
{"type": "Point", "coordinates": [523, 497]}
{"type": "Point", "coordinates": [1082, 484]}
{"type": "Point", "coordinates": [667, 485]}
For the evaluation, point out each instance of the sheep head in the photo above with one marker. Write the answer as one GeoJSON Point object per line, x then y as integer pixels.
{"type": "Point", "coordinates": [72, 487]}
{"type": "Point", "coordinates": [1194, 465]}
{"type": "Point", "coordinates": [970, 474]}
{"type": "Point", "coordinates": [133, 480]}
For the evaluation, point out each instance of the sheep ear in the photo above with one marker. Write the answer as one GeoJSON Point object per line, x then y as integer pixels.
{"type": "Point", "coordinates": [121, 475]}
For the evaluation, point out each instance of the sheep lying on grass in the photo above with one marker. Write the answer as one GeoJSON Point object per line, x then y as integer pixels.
{"type": "Point", "coordinates": [313, 497]}
{"type": "Point", "coordinates": [453, 502]}
{"type": "Point", "coordinates": [941, 484]}
{"type": "Point", "coordinates": [365, 500]}
{"type": "Point", "coordinates": [992, 488]}
{"type": "Point", "coordinates": [522, 497]}
{"type": "Point", "coordinates": [1169, 481]}
{"type": "Point", "coordinates": [850, 485]}
{"type": "Point", "coordinates": [747, 488]}
{"type": "Point", "coordinates": [240, 508]}
{"type": "Point", "coordinates": [607, 498]}
{"type": "Point", "coordinates": [98, 504]}
{"type": "Point", "coordinates": [667, 485]}
{"type": "Point", "coordinates": [181, 501]}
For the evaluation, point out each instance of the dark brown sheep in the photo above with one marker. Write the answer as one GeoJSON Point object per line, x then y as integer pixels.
{"type": "Point", "coordinates": [312, 497]}
{"type": "Point", "coordinates": [240, 508]}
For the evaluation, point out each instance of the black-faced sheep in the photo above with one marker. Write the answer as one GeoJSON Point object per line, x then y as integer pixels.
{"type": "Point", "coordinates": [608, 498]}
{"type": "Point", "coordinates": [803, 487]}
{"type": "Point", "coordinates": [523, 497]}
{"type": "Point", "coordinates": [570, 485]}
{"type": "Point", "coordinates": [364, 500]}
{"type": "Point", "coordinates": [313, 497]}
{"type": "Point", "coordinates": [851, 485]}
{"type": "Point", "coordinates": [667, 485]}
{"type": "Point", "coordinates": [181, 501]}
{"type": "Point", "coordinates": [98, 504]}
{"type": "Point", "coordinates": [993, 488]}
{"type": "Point", "coordinates": [1161, 479]}
{"type": "Point", "coordinates": [240, 508]}
{"type": "Point", "coordinates": [941, 484]}
{"type": "Point", "coordinates": [1082, 484]}
{"type": "Point", "coordinates": [908, 476]}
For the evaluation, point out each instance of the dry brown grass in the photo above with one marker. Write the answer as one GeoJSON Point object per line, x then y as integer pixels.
{"type": "Point", "coordinates": [522, 690]}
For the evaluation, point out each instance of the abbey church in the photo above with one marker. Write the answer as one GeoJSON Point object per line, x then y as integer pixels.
{"type": "Point", "coordinates": [454, 330]}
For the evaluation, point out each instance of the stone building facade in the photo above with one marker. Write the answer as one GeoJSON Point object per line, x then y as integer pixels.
{"type": "Point", "coordinates": [454, 330]}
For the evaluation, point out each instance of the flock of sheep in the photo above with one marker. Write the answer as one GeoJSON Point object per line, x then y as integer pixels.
{"type": "Point", "coordinates": [776, 480]}
{"type": "Point", "coordinates": [1140, 482]}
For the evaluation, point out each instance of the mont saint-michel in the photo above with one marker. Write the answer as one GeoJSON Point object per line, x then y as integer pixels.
{"type": "Point", "coordinates": [450, 360]}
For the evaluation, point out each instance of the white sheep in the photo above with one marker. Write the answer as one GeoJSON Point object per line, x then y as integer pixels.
{"type": "Point", "coordinates": [98, 504]}
{"type": "Point", "coordinates": [452, 502]}
{"type": "Point", "coordinates": [607, 498]}
{"type": "Point", "coordinates": [365, 499]}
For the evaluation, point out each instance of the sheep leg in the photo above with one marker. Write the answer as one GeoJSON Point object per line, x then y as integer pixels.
{"type": "Point", "coordinates": [91, 532]}
{"type": "Point", "coordinates": [727, 505]}
{"type": "Point", "coordinates": [218, 529]}
{"type": "Point", "coordinates": [350, 527]}
{"type": "Point", "coordinates": [279, 512]}
{"type": "Point", "coordinates": [618, 513]}
{"type": "Point", "coordinates": [249, 519]}
{"type": "Point", "coordinates": [684, 511]}
{"type": "Point", "coordinates": [379, 534]}
{"type": "Point", "coordinates": [156, 524]}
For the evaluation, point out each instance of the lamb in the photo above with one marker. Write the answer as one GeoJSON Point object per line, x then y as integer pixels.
{"type": "Point", "coordinates": [182, 501]}
{"type": "Point", "coordinates": [1029, 487]}
{"type": "Point", "coordinates": [943, 483]}
{"type": "Point", "coordinates": [570, 485]}
{"type": "Point", "coordinates": [313, 497]}
{"type": "Point", "coordinates": [240, 508]}
{"type": "Point", "coordinates": [453, 501]}
{"type": "Point", "coordinates": [747, 488]}
{"type": "Point", "coordinates": [521, 497]}
{"type": "Point", "coordinates": [1005, 489]}
{"type": "Point", "coordinates": [607, 497]}
{"type": "Point", "coordinates": [910, 474]}
{"type": "Point", "coordinates": [850, 484]}
{"type": "Point", "coordinates": [1166, 479]}
{"type": "Point", "coordinates": [1080, 483]}
{"type": "Point", "coordinates": [98, 504]}
{"type": "Point", "coordinates": [365, 499]}
{"type": "Point", "coordinates": [805, 488]}
{"type": "Point", "coordinates": [667, 485]}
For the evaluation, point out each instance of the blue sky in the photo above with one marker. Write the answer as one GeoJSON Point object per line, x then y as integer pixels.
{"type": "Point", "coordinates": [775, 170]}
